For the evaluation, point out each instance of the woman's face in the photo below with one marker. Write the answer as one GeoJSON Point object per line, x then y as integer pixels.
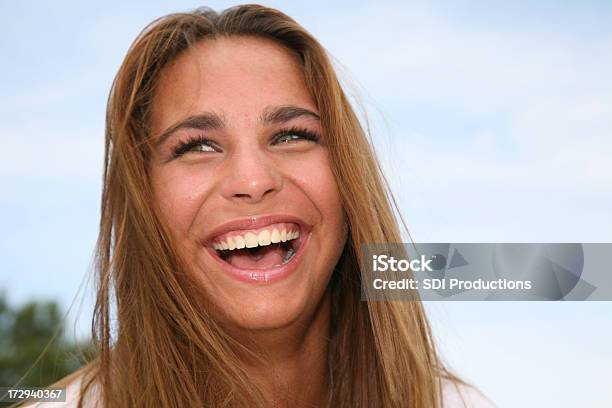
{"type": "Point", "coordinates": [241, 173]}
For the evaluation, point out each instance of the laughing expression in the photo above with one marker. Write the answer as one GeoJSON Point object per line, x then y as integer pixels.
{"type": "Point", "coordinates": [241, 173]}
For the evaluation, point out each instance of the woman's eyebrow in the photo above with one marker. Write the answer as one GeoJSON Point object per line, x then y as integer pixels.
{"type": "Point", "coordinates": [282, 114]}
{"type": "Point", "coordinates": [212, 121]}
{"type": "Point", "coordinates": [202, 121]}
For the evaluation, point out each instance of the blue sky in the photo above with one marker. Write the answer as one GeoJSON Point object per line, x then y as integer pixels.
{"type": "Point", "coordinates": [492, 120]}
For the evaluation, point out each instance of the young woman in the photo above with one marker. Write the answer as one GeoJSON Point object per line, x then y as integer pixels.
{"type": "Point", "coordinates": [238, 190]}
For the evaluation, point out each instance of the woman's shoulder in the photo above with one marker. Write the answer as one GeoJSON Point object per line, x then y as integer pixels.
{"type": "Point", "coordinates": [459, 395]}
{"type": "Point", "coordinates": [73, 384]}
{"type": "Point", "coordinates": [455, 395]}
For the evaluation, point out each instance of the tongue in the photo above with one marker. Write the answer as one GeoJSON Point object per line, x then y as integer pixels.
{"type": "Point", "coordinates": [265, 257]}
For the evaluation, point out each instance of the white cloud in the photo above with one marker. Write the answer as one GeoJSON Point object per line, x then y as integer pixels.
{"type": "Point", "coordinates": [488, 129]}
{"type": "Point", "coordinates": [41, 152]}
{"type": "Point", "coordinates": [539, 100]}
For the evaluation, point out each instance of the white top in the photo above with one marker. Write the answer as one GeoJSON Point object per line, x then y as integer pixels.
{"type": "Point", "coordinates": [460, 396]}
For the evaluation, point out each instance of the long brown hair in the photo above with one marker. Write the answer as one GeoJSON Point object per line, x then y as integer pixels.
{"type": "Point", "coordinates": [164, 349]}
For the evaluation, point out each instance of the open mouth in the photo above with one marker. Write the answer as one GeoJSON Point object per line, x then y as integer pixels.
{"type": "Point", "coordinates": [266, 248]}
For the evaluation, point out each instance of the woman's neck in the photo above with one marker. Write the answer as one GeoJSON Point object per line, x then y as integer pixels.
{"type": "Point", "coordinates": [294, 371]}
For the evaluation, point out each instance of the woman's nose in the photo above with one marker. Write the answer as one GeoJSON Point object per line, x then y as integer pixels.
{"type": "Point", "coordinates": [250, 177]}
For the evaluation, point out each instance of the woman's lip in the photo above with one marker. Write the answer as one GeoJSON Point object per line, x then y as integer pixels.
{"type": "Point", "coordinates": [255, 222]}
{"type": "Point", "coordinates": [265, 276]}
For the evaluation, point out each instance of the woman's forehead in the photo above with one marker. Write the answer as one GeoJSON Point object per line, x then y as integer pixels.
{"type": "Point", "coordinates": [237, 77]}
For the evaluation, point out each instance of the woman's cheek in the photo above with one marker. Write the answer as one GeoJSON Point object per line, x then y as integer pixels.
{"type": "Point", "coordinates": [181, 192]}
{"type": "Point", "coordinates": [321, 185]}
{"type": "Point", "coordinates": [310, 170]}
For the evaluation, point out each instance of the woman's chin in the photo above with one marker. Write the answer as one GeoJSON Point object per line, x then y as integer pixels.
{"type": "Point", "coordinates": [268, 298]}
{"type": "Point", "coordinates": [264, 314]}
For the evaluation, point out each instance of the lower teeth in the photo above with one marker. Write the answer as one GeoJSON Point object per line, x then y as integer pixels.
{"type": "Point", "coordinates": [288, 255]}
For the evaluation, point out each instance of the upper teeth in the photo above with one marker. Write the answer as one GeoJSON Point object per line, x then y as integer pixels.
{"type": "Point", "coordinates": [251, 240]}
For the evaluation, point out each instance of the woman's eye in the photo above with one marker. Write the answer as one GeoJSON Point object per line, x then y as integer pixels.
{"type": "Point", "coordinates": [294, 135]}
{"type": "Point", "coordinates": [201, 147]}
{"type": "Point", "coordinates": [194, 146]}
{"type": "Point", "coordinates": [287, 138]}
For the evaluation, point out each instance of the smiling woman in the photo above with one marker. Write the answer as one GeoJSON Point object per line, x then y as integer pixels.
{"type": "Point", "coordinates": [239, 187]}
{"type": "Point", "coordinates": [257, 171]}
